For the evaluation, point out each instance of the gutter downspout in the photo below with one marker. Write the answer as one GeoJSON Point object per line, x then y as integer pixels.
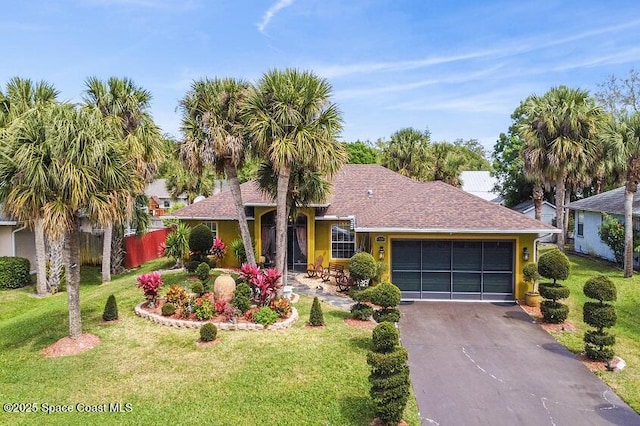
{"type": "Point", "coordinates": [535, 245]}
{"type": "Point", "coordinates": [13, 239]}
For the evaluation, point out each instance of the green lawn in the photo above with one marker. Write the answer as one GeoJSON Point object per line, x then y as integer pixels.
{"type": "Point", "coordinates": [300, 376]}
{"type": "Point", "coordinates": [627, 330]}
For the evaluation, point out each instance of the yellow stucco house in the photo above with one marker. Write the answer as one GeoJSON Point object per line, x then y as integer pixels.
{"type": "Point", "coordinates": [437, 241]}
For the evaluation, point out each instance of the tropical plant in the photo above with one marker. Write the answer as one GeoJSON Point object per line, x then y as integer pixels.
{"type": "Point", "coordinates": [560, 130]}
{"type": "Point", "coordinates": [612, 233]}
{"type": "Point", "coordinates": [292, 122]}
{"type": "Point", "coordinates": [177, 244]}
{"type": "Point", "coordinates": [237, 247]}
{"type": "Point", "coordinates": [125, 107]}
{"type": "Point", "coordinates": [282, 306]}
{"type": "Point", "coordinates": [264, 282]}
{"type": "Point", "coordinates": [150, 283]}
{"type": "Point", "coordinates": [110, 312]}
{"type": "Point", "coordinates": [203, 309]}
{"type": "Point", "coordinates": [407, 153]}
{"type": "Point", "coordinates": [316, 318]}
{"type": "Point", "coordinates": [215, 137]}
{"type": "Point", "coordinates": [177, 295]}
{"type": "Point", "coordinates": [218, 249]}
{"type": "Point", "coordinates": [265, 316]}
{"type": "Point", "coordinates": [599, 315]}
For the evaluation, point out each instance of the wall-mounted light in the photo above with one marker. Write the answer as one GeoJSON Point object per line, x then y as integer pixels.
{"type": "Point", "coordinates": [381, 253]}
{"type": "Point", "coordinates": [525, 254]}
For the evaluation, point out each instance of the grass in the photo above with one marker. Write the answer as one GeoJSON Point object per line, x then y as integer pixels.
{"type": "Point", "coordinates": [627, 330]}
{"type": "Point", "coordinates": [299, 376]}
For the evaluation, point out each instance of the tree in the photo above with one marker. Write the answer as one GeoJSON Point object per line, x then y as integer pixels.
{"type": "Point", "coordinates": [474, 154]}
{"type": "Point", "coordinates": [215, 136]}
{"type": "Point", "coordinates": [407, 153]}
{"type": "Point", "coordinates": [293, 123]}
{"type": "Point", "coordinates": [361, 152]}
{"type": "Point", "coordinates": [446, 162]}
{"type": "Point", "coordinates": [24, 105]}
{"type": "Point", "coordinates": [622, 139]}
{"type": "Point", "coordinates": [508, 169]}
{"type": "Point", "coordinates": [620, 97]}
{"type": "Point", "coordinates": [559, 130]}
{"type": "Point", "coordinates": [181, 180]}
{"type": "Point", "coordinates": [125, 107]}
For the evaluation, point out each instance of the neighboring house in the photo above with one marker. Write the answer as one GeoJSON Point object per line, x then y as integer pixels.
{"type": "Point", "coordinates": [437, 241]}
{"type": "Point", "coordinates": [588, 217]}
{"type": "Point", "coordinates": [548, 216]}
{"type": "Point", "coordinates": [160, 200]}
{"type": "Point", "coordinates": [481, 184]}
{"type": "Point", "coordinates": [16, 239]}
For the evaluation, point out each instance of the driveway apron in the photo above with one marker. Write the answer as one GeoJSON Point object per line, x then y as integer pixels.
{"type": "Point", "coordinates": [489, 364]}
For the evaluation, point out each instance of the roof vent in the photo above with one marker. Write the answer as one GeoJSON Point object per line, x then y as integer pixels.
{"type": "Point", "coordinates": [369, 193]}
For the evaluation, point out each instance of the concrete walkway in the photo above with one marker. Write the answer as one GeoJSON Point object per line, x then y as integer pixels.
{"type": "Point", "coordinates": [337, 300]}
{"type": "Point", "coordinates": [488, 364]}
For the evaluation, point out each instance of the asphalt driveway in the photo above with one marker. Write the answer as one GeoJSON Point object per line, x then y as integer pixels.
{"type": "Point", "coordinates": [488, 364]}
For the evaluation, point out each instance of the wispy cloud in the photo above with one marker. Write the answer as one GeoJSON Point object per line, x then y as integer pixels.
{"type": "Point", "coordinates": [495, 102]}
{"type": "Point", "coordinates": [149, 4]}
{"type": "Point", "coordinates": [269, 14]}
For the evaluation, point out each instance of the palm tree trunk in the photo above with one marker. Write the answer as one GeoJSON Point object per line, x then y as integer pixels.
{"type": "Point", "coordinates": [106, 252]}
{"type": "Point", "coordinates": [538, 196]}
{"type": "Point", "coordinates": [560, 191]}
{"type": "Point", "coordinates": [73, 282]}
{"type": "Point", "coordinates": [567, 200]}
{"type": "Point", "coordinates": [234, 186]}
{"type": "Point", "coordinates": [41, 258]}
{"type": "Point", "coordinates": [630, 190]}
{"type": "Point", "coordinates": [56, 262]}
{"type": "Point", "coordinates": [281, 220]}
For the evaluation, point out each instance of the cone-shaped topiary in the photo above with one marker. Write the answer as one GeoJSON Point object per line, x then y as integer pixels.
{"type": "Point", "coordinates": [362, 266]}
{"type": "Point", "coordinates": [110, 309]}
{"type": "Point", "coordinates": [389, 376]}
{"type": "Point", "coordinates": [599, 315]}
{"type": "Point", "coordinates": [315, 316]}
{"type": "Point", "coordinates": [208, 332]}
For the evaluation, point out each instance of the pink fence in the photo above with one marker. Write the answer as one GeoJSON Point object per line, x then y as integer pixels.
{"type": "Point", "coordinates": [143, 248]}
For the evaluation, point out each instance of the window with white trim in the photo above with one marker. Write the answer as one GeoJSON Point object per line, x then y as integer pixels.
{"type": "Point", "coordinates": [213, 226]}
{"type": "Point", "coordinates": [580, 223]}
{"type": "Point", "coordinates": [343, 241]}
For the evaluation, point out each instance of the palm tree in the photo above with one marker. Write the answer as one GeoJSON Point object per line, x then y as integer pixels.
{"type": "Point", "coordinates": [215, 136]}
{"type": "Point", "coordinates": [407, 153]}
{"type": "Point", "coordinates": [446, 162]}
{"type": "Point", "coordinates": [23, 106]}
{"type": "Point", "coordinates": [293, 124]}
{"type": "Point", "coordinates": [180, 180]}
{"type": "Point", "coordinates": [623, 140]}
{"type": "Point", "coordinates": [126, 107]}
{"type": "Point", "coordinates": [559, 129]}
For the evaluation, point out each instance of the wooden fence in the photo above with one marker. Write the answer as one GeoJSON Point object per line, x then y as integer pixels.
{"type": "Point", "coordinates": [143, 248]}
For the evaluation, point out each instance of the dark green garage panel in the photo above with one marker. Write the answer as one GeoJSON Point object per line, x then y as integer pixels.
{"type": "Point", "coordinates": [444, 269]}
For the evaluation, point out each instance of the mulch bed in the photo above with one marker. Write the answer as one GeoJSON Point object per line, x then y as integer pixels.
{"type": "Point", "coordinates": [69, 346]}
{"type": "Point", "coordinates": [359, 323]}
{"type": "Point", "coordinates": [202, 344]}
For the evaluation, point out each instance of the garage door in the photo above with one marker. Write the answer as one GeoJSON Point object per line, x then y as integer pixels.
{"type": "Point", "coordinates": [444, 269]}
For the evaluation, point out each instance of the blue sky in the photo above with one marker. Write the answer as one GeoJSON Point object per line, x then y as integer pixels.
{"type": "Point", "coordinates": [458, 68]}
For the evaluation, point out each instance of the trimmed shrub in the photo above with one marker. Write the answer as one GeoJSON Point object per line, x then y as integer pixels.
{"type": "Point", "coordinates": [200, 240]}
{"type": "Point", "coordinates": [389, 375]}
{"type": "Point", "coordinates": [242, 297]}
{"type": "Point", "coordinates": [197, 288]}
{"type": "Point", "coordinates": [14, 272]}
{"type": "Point", "coordinates": [316, 318]}
{"type": "Point", "coordinates": [385, 338]}
{"type": "Point", "coordinates": [168, 309]}
{"type": "Point", "coordinates": [554, 291]}
{"type": "Point", "coordinates": [554, 312]}
{"type": "Point", "coordinates": [208, 332]}
{"type": "Point", "coordinates": [554, 265]}
{"type": "Point", "coordinates": [202, 272]}
{"type": "Point", "coordinates": [265, 316]}
{"type": "Point", "coordinates": [386, 315]}
{"type": "Point", "coordinates": [385, 295]}
{"type": "Point", "coordinates": [110, 309]}
{"type": "Point", "coordinates": [599, 315]}
{"type": "Point", "coordinates": [362, 266]}
{"type": "Point", "coordinates": [361, 312]}
{"type": "Point", "coordinates": [191, 266]}
{"type": "Point", "coordinates": [531, 275]}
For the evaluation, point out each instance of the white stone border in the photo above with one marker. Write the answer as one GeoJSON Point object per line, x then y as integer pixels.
{"type": "Point", "coordinates": [159, 319]}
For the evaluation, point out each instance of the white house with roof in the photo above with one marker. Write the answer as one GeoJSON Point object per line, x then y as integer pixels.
{"type": "Point", "coordinates": [481, 184]}
{"type": "Point", "coordinates": [548, 215]}
{"type": "Point", "coordinates": [16, 239]}
{"type": "Point", "coordinates": [589, 213]}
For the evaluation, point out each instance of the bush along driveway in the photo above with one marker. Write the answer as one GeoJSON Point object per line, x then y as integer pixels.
{"type": "Point", "coordinates": [483, 363]}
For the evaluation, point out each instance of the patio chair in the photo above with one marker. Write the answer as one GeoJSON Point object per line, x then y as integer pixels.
{"type": "Point", "coordinates": [315, 269]}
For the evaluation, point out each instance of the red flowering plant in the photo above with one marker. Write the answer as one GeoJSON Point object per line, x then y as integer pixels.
{"type": "Point", "coordinates": [220, 305]}
{"type": "Point", "coordinates": [150, 283]}
{"type": "Point", "coordinates": [218, 248]}
{"type": "Point", "coordinates": [264, 282]}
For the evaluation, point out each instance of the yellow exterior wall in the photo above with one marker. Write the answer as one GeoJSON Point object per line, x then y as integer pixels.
{"type": "Point", "coordinates": [228, 230]}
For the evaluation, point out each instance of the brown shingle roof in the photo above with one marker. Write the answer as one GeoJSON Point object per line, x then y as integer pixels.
{"type": "Point", "coordinates": [380, 199]}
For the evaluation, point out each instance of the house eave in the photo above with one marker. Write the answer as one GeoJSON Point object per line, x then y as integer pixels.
{"type": "Point", "coordinates": [200, 218]}
{"type": "Point", "coordinates": [459, 230]}
{"type": "Point", "coordinates": [8, 223]}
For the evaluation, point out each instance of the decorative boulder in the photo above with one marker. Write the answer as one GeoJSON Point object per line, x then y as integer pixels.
{"type": "Point", "coordinates": [224, 287]}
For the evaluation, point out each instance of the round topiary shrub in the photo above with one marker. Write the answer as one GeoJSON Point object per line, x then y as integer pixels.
{"type": "Point", "coordinates": [316, 318]}
{"type": "Point", "coordinates": [362, 267]}
{"type": "Point", "coordinates": [554, 312]}
{"type": "Point", "coordinates": [531, 275]}
{"type": "Point", "coordinates": [554, 291]}
{"type": "Point", "coordinates": [197, 288]}
{"type": "Point", "coordinates": [600, 288]}
{"type": "Point", "coordinates": [385, 338]}
{"type": "Point", "coordinates": [599, 315]}
{"type": "Point", "coordinates": [200, 241]}
{"type": "Point", "coordinates": [191, 266]}
{"type": "Point", "coordinates": [14, 272]}
{"type": "Point", "coordinates": [385, 295]}
{"type": "Point", "coordinates": [208, 332]}
{"type": "Point", "coordinates": [110, 309]}
{"type": "Point", "coordinates": [242, 297]}
{"type": "Point", "coordinates": [554, 265]}
{"type": "Point", "coordinates": [386, 315]}
{"type": "Point", "coordinates": [168, 309]}
{"type": "Point", "coordinates": [361, 312]}
{"type": "Point", "coordinates": [202, 271]}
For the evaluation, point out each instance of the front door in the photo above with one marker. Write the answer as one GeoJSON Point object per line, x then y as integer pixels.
{"type": "Point", "coordinates": [297, 244]}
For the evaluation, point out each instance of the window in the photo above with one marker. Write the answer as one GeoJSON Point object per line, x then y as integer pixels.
{"type": "Point", "coordinates": [166, 204]}
{"type": "Point", "coordinates": [580, 223]}
{"type": "Point", "coordinates": [213, 226]}
{"type": "Point", "coordinates": [343, 241]}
